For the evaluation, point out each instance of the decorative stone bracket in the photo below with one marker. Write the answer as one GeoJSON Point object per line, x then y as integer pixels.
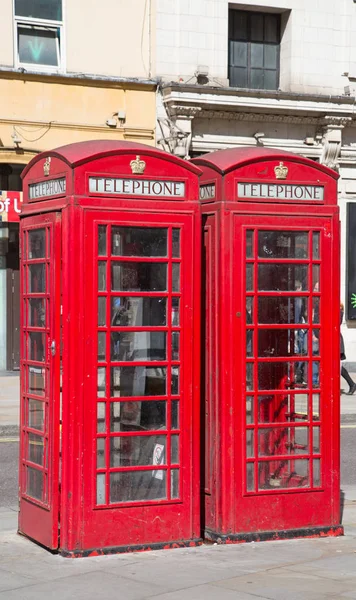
{"type": "Point", "coordinates": [332, 140]}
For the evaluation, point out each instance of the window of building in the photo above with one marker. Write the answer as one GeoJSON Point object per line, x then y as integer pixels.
{"type": "Point", "coordinates": [254, 49]}
{"type": "Point", "coordinates": [39, 34]}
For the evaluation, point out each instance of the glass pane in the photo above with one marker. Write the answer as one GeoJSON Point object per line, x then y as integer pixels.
{"type": "Point", "coordinates": [299, 409]}
{"type": "Point", "coordinates": [138, 241]}
{"type": "Point", "coordinates": [316, 341]}
{"type": "Point", "coordinates": [102, 244]}
{"type": "Point", "coordinates": [138, 485]}
{"type": "Point", "coordinates": [101, 382]}
{"type": "Point", "coordinates": [282, 342]}
{"type": "Point", "coordinates": [271, 56]}
{"type": "Point", "coordinates": [175, 243]}
{"type": "Point", "coordinates": [316, 372]}
{"type": "Point", "coordinates": [136, 311]}
{"type": "Point", "coordinates": [34, 484]}
{"type": "Point", "coordinates": [316, 407]}
{"type": "Point", "coordinates": [250, 475]}
{"type": "Point", "coordinates": [100, 488]}
{"type": "Point", "coordinates": [249, 309]}
{"type": "Point", "coordinates": [36, 279]}
{"type": "Point", "coordinates": [35, 416]}
{"type": "Point", "coordinates": [102, 276]}
{"type": "Point", "coordinates": [100, 453]}
{"type": "Point", "coordinates": [249, 409]}
{"type": "Point", "coordinates": [138, 276]}
{"type": "Point", "coordinates": [316, 310]}
{"type": "Point", "coordinates": [280, 310]}
{"type": "Point", "coordinates": [316, 244]}
{"type": "Point", "coordinates": [257, 79]}
{"type": "Point", "coordinates": [238, 54]}
{"type": "Point", "coordinates": [138, 346]}
{"type": "Point", "coordinates": [175, 483]}
{"type": "Point", "coordinates": [249, 342]}
{"type": "Point", "coordinates": [175, 345]}
{"type": "Point", "coordinates": [270, 80]}
{"type": "Point", "coordinates": [271, 28]}
{"type": "Point", "coordinates": [175, 414]}
{"type": "Point", "coordinates": [35, 448]}
{"type": "Point", "coordinates": [101, 346]}
{"type": "Point", "coordinates": [256, 55]}
{"type": "Point", "coordinates": [256, 27]}
{"type": "Point", "coordinates": [101, 420]}
{"type": "Point", "coordinates": [250, 451]}
{"type": "Point", "coordinates": [37, 243]}
{"type": "Point", "coordinates": [38, 9]}
{"type": "Point", "coordinates": [316, 472]}
{"type": "Point", "coordinates": [238, 77]}
{"type": "Point", "coordinates": [281, 277]}
{"type": "Point", "coordinates": [249, 376]}
{"type": "Point", "coordinates": [249, 277]}
{"type": "Point", "coordinates": [36, 381]}
{"type": "Point", "coordinates": [138, 416]}
{"type": "Point", "coordinates": [283, 474]}
{"type": "Point", "coordinates": [282, 244]}
{"type": "Point", "coordinates": [239, 27]}
{"type": "Point", "coordinates": [175, 277]}
{"type": "Point", "coordinates": [249, 243]}
{"type": "Point", "coordinates": [175, 312]}
{"type": "Point", "coordinates": [175, 449]}
{"type": "Point", "coordinates": [316, 278]}
{"type": "Point", "coordinates": [175, 384]}
{"type": "Point", "coordinates": [36, 346]}
{"type": "Point", "coordinates": [36, 312]}
{"type": "Point", "coordinates": [276, 375]}
{"type": "Point", "coordinates": [138, 381]}
{"type": "Point", "coordinates": [316, 440]}
{"type": "Point", "coordinates": [37, 45]}
{"type": "Point", "coordinates": [133, 450]}
{"type": "Point", "coordinates": [101, 311]}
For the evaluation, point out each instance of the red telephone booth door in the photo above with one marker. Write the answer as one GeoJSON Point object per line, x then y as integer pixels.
{"type": "Point", "coordinates": [284, 309]}
{"type": "Point", "coordinates": [39, 441]}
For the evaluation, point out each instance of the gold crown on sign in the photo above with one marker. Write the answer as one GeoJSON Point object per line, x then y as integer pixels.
{"type": "Point", "coordinates": [47, 166]}
{"type": "Point", "coordinates": [281, 171]}
{"type": "Point", "coordinates": [138, 166]}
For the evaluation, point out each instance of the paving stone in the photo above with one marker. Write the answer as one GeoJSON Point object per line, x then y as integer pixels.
{"type": "Point", "coordinates": [10, 580]}
{"type": "Point", "coordinates": [208, 592]}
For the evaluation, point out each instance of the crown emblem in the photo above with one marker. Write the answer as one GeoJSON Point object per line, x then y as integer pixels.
{"type": "Point", "coordinates": [47, 166]}
{"type": "Point", "coordinates": [281, 171]}
{"type": "Point", "coordinates": [138, 166]}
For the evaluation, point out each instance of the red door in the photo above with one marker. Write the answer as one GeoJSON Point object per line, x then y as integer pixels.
{"type": "Point", "coordinates": [139, 456]}
{"type": "Point", "coordinates": [40, 314]}
{"type": "Point", "coordinates": [285, 360]}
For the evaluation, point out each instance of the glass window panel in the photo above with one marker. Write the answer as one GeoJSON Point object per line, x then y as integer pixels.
{"type": "Point", "coordinates": [136, 311]}
{"type": "Point", "coordinates": [256, 27]}
{"type": "Point", "coordinates": [282, 342]}
{"type": "Point", "coordinates": [36, 312]}
{"type": "Point", "coordinates": [282, 310]}
{"type": "Point", "coordinates": [272, 28]}
{"type": "Point", "coordinates": [176, 243]}
{"type": "Point", "coordinates": [175, 414]}
{"type": "Point", "coordinates": [100, 488]}
{"type": "Point", "coordinates": [249, 376]}
{"type": "Point", "coordinates": [292, 407]}
{"type": "Point", "coordinates": [316, 278]}
{"type": "Point", "coordinates": [35, 448]}
{"type": "Point", "coordinates": [281, 277]}
{"type": "Point", "coordinates": [249, 409]}
{"type": "Point", "coordinates": [316, 341]}
{"type": "Point", "coordinates": [101, 311]}
{"type": "Point", "coordinates": [38, 9]}
{"type": "Point", "coordinates": [249, 342]}
{"type": "Point", "coordinates": [102, 243]}
{"type": "Point", "coordinates": [270, 80]}
{"type": "Point", "coordinates": [250, 476]}
{"type": "Point", "coordinates": [249, 277]}
{"type": "Point", "coordinates": [101, 346]}
{"type": "Point", "coordinates": [175, 312]}
{"type": "Point", "coordinates": [257, 79]}
{"type": "Point", "coordinates": [317, 472]}
{"type": "Point", "coordinates": [135, 450]}
{"type": "Point", "coordinates": [138, 241]}
{"type": "Point", "coordinates": [34, 484]}
{"type": "Point", "coordinates": [37, 243]}
{"type": "Point", "coordinates": [36, 381]}
{"type": "Point", "coordinates": [175, 449]}
{"type": "Point", "coordinates": [316, 310]}
{"type": "Point", "coordinates": [250, 451]}
{"type": "Point", "coordinates": [239, 28]}
{"type": "Point", "coordinates": [175, 345]}
{"type": "Point", "coordinates": [36, 346]}
{"type": "Point", "coordinates": [138, 381]}
{"type": "Point", "coordinates": [36, 414]}
{"type": "Point", "coordinates": [100, 453]}
{"type": "Point", "coordinates": [175, 483]}
{"type": "Point", "coordinates": [175, 383]}
{"type": "Point", "coordinates": [249, 309]}
{"type": "Point", "coordinates": [102, 276]}
{"type": "Point", "coordinates": [175, 277]}
{"type": "Point", "coordinates": [283, 474]}
{"type": "Point", "coordinates": [278, 375]}
{"type": "Point", "coordinates": [238, 77]}
{"type": "Point", "coordinates": [138, 345]}
{"type": "Point", "coordinates": [138, 416]}
{"type": "Point", "coordinates": [238, 53]}
{"type": "Point", "coordinates": [256, 55]}
{"type": "Point", "coordinates": [316, 440]}
{"type": "Point", "coordinates": [38, 45]}
{"type": "Point", "coordinates": [316, 244]}
{"type": "Point", "coordinates": [316, 373]}
{"type": "Point", "coordinates": [316, 407]}
{"type": "Point", "coordinates": [101, 417]}
{"type": "Point", "coordinates": [137, 485]}
{"type": "Point", "coordinates": [282, 244]}
{"type": "Point", "coordinates": [249, 243]}
{"type": "Point", "coordinates": [271, 56]}
{"type": "Point", "coordinates": [101, 382]}
{"type": "Point", "coordinates": [138, 276]}
{"type": "Point", "coordinates": [37, 278]}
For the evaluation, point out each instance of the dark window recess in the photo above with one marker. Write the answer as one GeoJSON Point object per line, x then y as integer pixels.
{"type": "Point", "coordinates": [254, 49]}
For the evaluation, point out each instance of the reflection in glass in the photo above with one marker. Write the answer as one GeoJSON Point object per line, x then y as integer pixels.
{"type": "Point", "coordinates": [250, 476]}
{"type": "Point", "coordinates": [138, 311]}
{"type": "Point", "coordinates": [36, 346]}
{"type": "Point", "coordinates": [138, 416]}
{"type": "Point", "coordinates": [138, 381]}
{"type": "Point", "coordinates": [275, 375]}
{"type": "Point", "coordinates": [138, 241]}
{"type": "Point", "coordinates": [249, 342]}
{"type": "Point", "coordinates": [100, 417]}
{"type": "Point", "coordinates": [138, 345]}
{"type": "Point", "coordinates": [175, 414]}
{"type": "Point", "coordinates": [316, 407]}
{"type": "Point", "coordinates": [283, 474]}
{"type": "Point", "coordinates": [281, 310]}
{"type": "Point", "coordinates": [102, 276]}
{"type": "Point", "coordinates": [282, 342]}
{"type": "Point", "coordinates": [316, 440]}
{"type": "Point", "coordinates": [316, 245]}
{"type": "Point", "coordinates": [249, 309]}
{"type": "Point", "coordinates": [101, 346]}
{"type": "Point", "coordinates": [36, 381]}
{"type": "Point", "coordinates": [137, 485]}
{"type": "Point", "coordinates": [101, 382]}
{"type": "Point", "coordinates": [282, 244]}
{"type": "Point", "coordinates": [35, 416]}
{"type": "Point", "coordinates": [175, 243]}
{"type": "Point", "coordinates": [316, 278]}
{"type": "Point", "coordinates": [249, 243]}
{"type": "Point", "coordinates": [175, 380]}
{"type": "Point", "coordinates": [34, 483]}
{"type": "Point", "coordinates": [249, 409]}
{"type": "Point", "coordinates": [36, 312]}
{"type": "Point", "coordinates": [35, 448]}
{"type": "Point", "coordinates": [175, 312]}
{"type": "Point", "coordinates": [101, 311]}
{"type": "Point", "coordinates": [37, 243]}
{"type": "Point", "coordinates": [316, 372]}
{"type": "Point", "coordinates": [102, 251]}
{"type": "Point", "coordinates": [175, 449]}
{"type": "Point", "coordinates": [316, 472]}
{"type": "Point", "coordinates": [281, 277]}
{"type": "Point", "coordinates": [249, 376]}
{"type": "Point", "coordinates": [138, 276]}
{"type": "Point", "coordinates": [175, 483]}
{"type": "Point", "coordinates": [175, 345]}
{"type": "Point", "coordinates": [249, 277]}
{"type": "Point", "coordinates": [250, 451]}
{"type": "Point", "coordinates": [100, 453]}
{"type": "Point", "coordinates": [175, 277]}
{"type": "Point", "coordinates": [100, 488]}
{"type": "Point", "coordinates": [133, 450]}
{"type": "Point", "coordinates": [36, 278]}
{"type": "Point", "coordinates": [300, 406]}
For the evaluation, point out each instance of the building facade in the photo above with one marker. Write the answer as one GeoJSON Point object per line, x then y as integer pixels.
{"type": "Point", "coordinates": [274, 73]}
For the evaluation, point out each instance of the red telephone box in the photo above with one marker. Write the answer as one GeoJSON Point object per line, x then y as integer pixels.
{"type": "Point", "coordinates": [272, 395]}
{"type": "Point", "coordinates": [109, 458]}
